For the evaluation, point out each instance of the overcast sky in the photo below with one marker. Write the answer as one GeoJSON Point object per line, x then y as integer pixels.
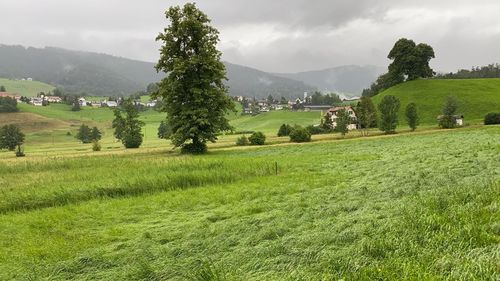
{"type": "Point", "coordinates": [271, 35]}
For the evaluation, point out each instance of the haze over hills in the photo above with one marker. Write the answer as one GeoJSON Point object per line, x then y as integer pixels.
{"type": "Point", "coordinates": [349, 80]}
{"type": "Point", "coordinates": [101, 74]}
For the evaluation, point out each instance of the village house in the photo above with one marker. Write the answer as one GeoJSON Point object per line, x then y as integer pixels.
{"type": "Point", "coordinates": [247, 110]}
{"type": "Point", "coordinates": [333, 114]}
{"type": "Point", "coordinates": [37, 101]}
{"type": "Point", "coordinates": [96, 103]}
{"type": "Point", "coordinates": [111, 103]}
{"type": "Point", "coordinates": [53, 99]}
{"type": "Point", "coordinates": [277, 107]}
{"type": "Point", "coordinates": [10, 95]}
{"type": "Point", "coordinates": [82, 102]}
{"type": "Point", "coordinates": [151, 103]}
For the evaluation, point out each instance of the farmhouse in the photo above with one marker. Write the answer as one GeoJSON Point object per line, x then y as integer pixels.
{"type": "Point", "coordinates": [82, 102]}
{"type": "Point", "coordinates": [37, 101]}
{"type": "Point", "coordinates": [332, 113]}
{"type": "Point", "coordinates": [111, 103]}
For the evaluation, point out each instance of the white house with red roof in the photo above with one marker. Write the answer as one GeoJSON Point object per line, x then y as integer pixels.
{"type": "Point", "coordinates": [333, 114]}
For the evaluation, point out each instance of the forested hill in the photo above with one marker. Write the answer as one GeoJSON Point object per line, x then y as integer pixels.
{"type": "Point", "coordinates": [100, 74]}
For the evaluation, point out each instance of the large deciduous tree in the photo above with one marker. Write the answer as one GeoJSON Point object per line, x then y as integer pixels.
{"type": "Point", "coordinates": [194, 95]}
{"type": "Point", "coordinates": [10, 137]}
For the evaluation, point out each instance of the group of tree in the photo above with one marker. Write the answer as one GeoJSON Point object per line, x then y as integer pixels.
{"type": "Point", "coordinates": [488, 71]}
{"type": "Point", "coordinates": [12, 137]}
{"type": "Point", "coordinates": [317, 98]}
{"type": "Point", "coordinates": [127, 125]}
{"type": "Point", "coordinates": [410, 61]}
{"type": "Point", "coordinates": [256, 138]}
{"type": "Point", "coordinates": [8, 104]}
{"type": "Point", "coordinates": [87, 135]}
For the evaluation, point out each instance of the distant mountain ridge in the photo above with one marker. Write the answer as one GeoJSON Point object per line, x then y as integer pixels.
{"type": "Point", "coordinates": [107, 75]}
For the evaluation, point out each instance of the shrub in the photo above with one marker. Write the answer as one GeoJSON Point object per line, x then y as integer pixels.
{"type": "Point", "coordinates": [450, 107]}
{"type": "Point", "coordinates": [243, 140]}
{"type": "Point", "coordinates": [194, 148]}
{"type": "Point", "coordinates": [96, 146]}
{"type": "Point", "coordinates": [492, 118]}
{"type": "Point", "coordinates": [318, 130]}
{"type": "Point", "coordinates": [412, 118]}
{"type": "Point", "coordinates": [300, 134]}
{"type": "Point", "coordinates": [257, 138]}
{"type": "Point", "coordinates": [284, 130]}
{"type": "Point", "coordinates": [20, 152]}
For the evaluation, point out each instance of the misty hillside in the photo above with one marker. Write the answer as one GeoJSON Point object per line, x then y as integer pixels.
{"type": "Point", "coordinates": [100, 74]}
{"type": "Point", "coordinates": [349, 80]}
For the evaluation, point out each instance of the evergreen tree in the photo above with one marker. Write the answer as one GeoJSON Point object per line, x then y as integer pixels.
{"type": "Point", "coordinates": [448, 120]}
{"type": "Point", "coordinates": [128, 128]}
{"type": "Point", "coordinates": [389, 107]}
{"type": "Point", "coordinates": [412, 116]}
{"type": "Point", "coordinates": [10, 137]}
{"type": "Point", "coordinates": [343, 121]}
{"type": "Point", "coordinates": [366, 114]}
{"type": "Point", "coordinates": [95, 134]}
{"type": "Point", "coordinates": [84, 134]}
{"type": "Point", "coordinates": [194, 93]}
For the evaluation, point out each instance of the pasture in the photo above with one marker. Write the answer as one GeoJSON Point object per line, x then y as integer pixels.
{"type": "Point", "coordinates": [416, 206]}
{"type": "Point", "coordinates": [25, 88]}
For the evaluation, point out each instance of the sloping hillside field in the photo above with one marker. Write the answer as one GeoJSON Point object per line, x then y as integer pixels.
{"type": "Point", "coordinates": [418, 206]}
{"type": "Point", "coordinates": [476, 97]}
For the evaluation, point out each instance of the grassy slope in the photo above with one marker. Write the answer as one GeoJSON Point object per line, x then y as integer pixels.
{"type": "Point", "coordinates": [476, 96]}
{"type": "Point", "coordinates": [410, 206]}
{"type": "Point", "coordinates": [25, 88]}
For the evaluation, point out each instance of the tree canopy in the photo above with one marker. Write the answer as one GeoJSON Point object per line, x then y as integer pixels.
{"type": "Point", "coordinates": [10, 137]}
{"type": "Point", "coordinates": [195, 97]}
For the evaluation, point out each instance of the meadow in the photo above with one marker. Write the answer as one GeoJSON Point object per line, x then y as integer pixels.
{"type": "Point", "coordinates": [414, 206]}
{"type": "Point", "coordinates": [476, 97]}
{"type": "Point", "coordinates": [25, 88]}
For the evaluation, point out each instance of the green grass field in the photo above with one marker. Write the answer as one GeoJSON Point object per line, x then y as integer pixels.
{"type": "Point", "coordinates": [477, 97]}
{"type": "Point", "coordinates": [25, 88]}
{"type": "Point", "coordinates": [418, 206]}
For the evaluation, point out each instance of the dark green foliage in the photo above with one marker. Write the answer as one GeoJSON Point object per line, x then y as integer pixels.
{"type": "Point", "coordinates": [326, 122]}
{"type": "Point", "coordinates": [95, 134]}
{"type": "Point", "coordinates": [389, 107]}
{"type": "Point", "coordinates": [318, 130]}
{"type": "Point", "coordinates": [343, 121]}
{"type": "Point", "coordinates": [300, 134]}
{"type": "Point", "coordinates": [128, 128]}
{"type": "Point", "coordinates": [96, 146]}
{"type": "Point", "coordinates": [194, 148]}
{"type": "Point", "coordinates": [164, 130]}
{"type": "Point", "coordinates": [75, 105]}
{"type": "Point", "coordinates": [448, 119]}
{"type": "Point", "coordinates": [84, 134]}
{"type": "Point", "coordinates": [2, 88]}
{"type": "Point", "coordinates": [257, 138]}
{"type": "Point", "coordinates": [10, 137]}
{"type": "Point", "coordinates": [195, 97]}
{"type": "Point", "coordinates": [409, 62]}
{"type": "Point", "coordinates": [489, 71]}
{"type": "Point", "coordinates": [411, 114]}
{"type": "Point", "coordinates": [329, 99]}
{"type": "Point", "coordinates": [241, 141]}
{"type": "Point", "coordinates": [492, 118]}
{"type": "Point", "coordinates": [284, 130]}
{"type": "Point", "coordinates": [8, 104]}
{"type": "Point", "coordinates": [366, 114]}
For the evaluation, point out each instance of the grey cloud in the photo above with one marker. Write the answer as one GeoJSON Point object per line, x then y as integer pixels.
{"type": "Point", "coordinates": [279, 36]}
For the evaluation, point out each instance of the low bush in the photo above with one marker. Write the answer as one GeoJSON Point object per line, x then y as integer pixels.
{"type": "Point", "coordinates": [243, 140]}
{"type": "Point", "coordinates": [492, 118]}
{"type": "Point", "coordinates": [194, 148]}
{"type": "Point", "coordinates": [300, 134]}
{"type": "Point", "coordinates": [96, 146]}
{"type": "Point", "coordinates": [257, 138]}
{"type": "Point", "coordinates": [284, 130]}
{"type": "Point", "coordinates": [318, 130]}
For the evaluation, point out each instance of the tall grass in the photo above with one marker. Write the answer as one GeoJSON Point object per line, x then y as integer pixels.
{"type": "Point", "coordinates": [59, 181]}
